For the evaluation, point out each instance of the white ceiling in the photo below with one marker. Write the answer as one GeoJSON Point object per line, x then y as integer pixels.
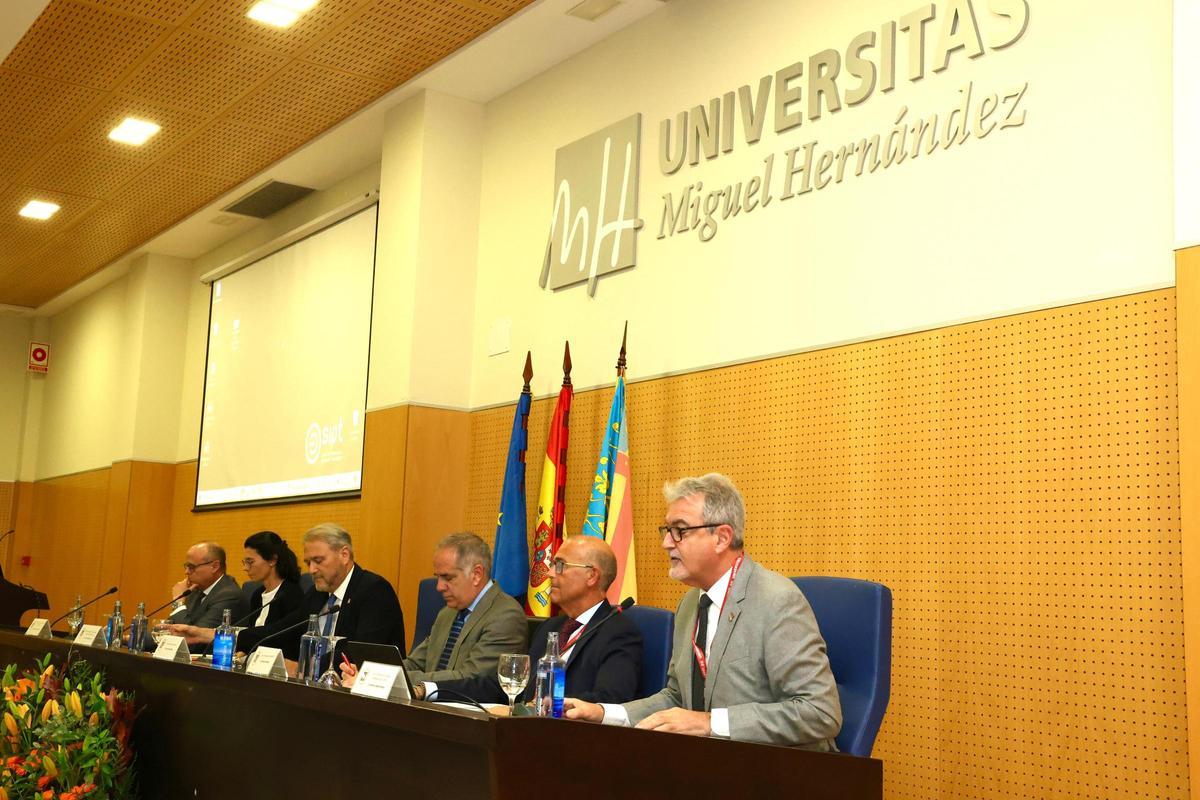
{"type": "Point", "coordinates": [523, 46]}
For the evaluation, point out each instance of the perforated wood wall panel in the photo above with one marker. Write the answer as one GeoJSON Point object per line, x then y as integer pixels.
{"type": "Point", "coordinates": [1015, 482]}
{"type": "Point", "coordinates": [232, 96]}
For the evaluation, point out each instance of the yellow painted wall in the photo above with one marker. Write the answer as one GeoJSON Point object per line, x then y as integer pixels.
{"type": "Point", "coordinates": [14, 346]}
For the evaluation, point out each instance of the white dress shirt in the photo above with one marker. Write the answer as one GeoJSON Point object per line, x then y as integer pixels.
{"type": "Point", "coordinates": [340, 594]}
{"type": "Point", "coordinates": [266, 598]}
{"type": "Point", "coordinates": [614, 714]}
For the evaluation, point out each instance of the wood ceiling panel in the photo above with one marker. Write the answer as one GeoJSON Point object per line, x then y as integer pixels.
{"type": "Point", "coordinates": [83, 171]}
{"type": "Point", "coordinates": [306, 100]}
{"type": "Point", "coordinates": [202, 75]}
{"type": "Point", "coordinates": [226, 19]}
{"type": "Point", "coordinates": [40, 108]}
{"type": "Point", "coordinates": [232, 97]}
{"type": "Point", "coordinates": [83, 45]}
{"type": "Point", "coordinates": [170, 12]}
{"type": "Point", "coordinates": [176, 126]}
{"type": "Point", "coordinates": [24, 238]}
{"type": "Point", "coordinates": [15, 153]}
{"type": "Point", "coordinates": [232, 150]}
{"type": "Point", "coordinates": [395, 40]}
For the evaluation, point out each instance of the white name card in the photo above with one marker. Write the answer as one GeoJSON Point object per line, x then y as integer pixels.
{"type": "Point", "coordinates": [90, 636]}
{"type": "Point", "coordinates": [267, 662]}
{"type": "Point", "coordinates": [381, 681]}
{"type": "Point", "coordinates": [173, 648]}
{"type": "Point", "coordinates": [39, 628]}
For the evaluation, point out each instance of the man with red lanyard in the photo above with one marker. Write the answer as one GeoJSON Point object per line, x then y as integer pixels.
{"type": "Point", "coordinates": [748, 661]}
{"type": "Point", "coordinates": [604, 656]}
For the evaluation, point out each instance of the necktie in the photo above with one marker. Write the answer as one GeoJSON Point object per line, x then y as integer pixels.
{"type": "Point", "coordinates": [564, 634]}
{"type": "Point", "coordinates": [455, 630]}
{"type": "Point", "coordinates": [328, 629]}
{"type": "Point", "coordinates": [702, 643]}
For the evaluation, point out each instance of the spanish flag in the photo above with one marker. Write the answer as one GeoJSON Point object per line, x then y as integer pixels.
{"type": "Point", "coordinates": [548, 534]}
{"type": "Point", "coordinates": [610, 509]}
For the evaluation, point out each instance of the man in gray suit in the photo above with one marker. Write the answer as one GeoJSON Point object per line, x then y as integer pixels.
{"type": "Point", "coordinates": [213, 591]}
{"type": "Point", "coordinates": [479, 621]}
{"type": "Point", "coordinates": [752, 665]}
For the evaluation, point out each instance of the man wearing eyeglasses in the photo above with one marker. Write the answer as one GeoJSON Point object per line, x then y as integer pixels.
{"type": "Point", "coordinates": [748, 660]}
{"type": "Point", "coordinates": [604, 661]}
{"type": "Point", "coordinates": [478, 623]}
{"type": "Point", "coordinates": [213, 591]}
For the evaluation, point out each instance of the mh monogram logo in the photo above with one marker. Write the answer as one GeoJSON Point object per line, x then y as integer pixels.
{"type": "Point", "coordinates": [595, 204]}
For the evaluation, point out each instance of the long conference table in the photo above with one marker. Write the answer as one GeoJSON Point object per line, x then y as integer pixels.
{"type": "Point", "coordinates": [207, 733]}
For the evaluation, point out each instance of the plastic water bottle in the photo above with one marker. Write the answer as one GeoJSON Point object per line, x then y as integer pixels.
{"type": "Point", "coordinates": [137, 630]}
{"type": "Point", "coordinates": [115, 631]}
{"type": "Point", "coordinates": [223, 644]}
{"type": "Point", "coordinates": [312, 651]}
{"type": "Point", "coordinates": [551, 681]}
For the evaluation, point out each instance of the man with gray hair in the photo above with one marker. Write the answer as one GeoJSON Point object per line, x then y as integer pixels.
{"type": "Point", "coordinates": [368, 610]}
{"type": "Point", "coordinates": [479, 621]}
{"type": "Point", "coordinates": [748, 661]}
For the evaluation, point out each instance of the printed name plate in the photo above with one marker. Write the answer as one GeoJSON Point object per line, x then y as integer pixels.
{"type": "Point", "coordinates": [90, 635]}
{"type": "Point", "coordinates": [381, 681]}
{"type": "Point", "coordinates": [39, 628]}
{"type": "Point", "coordinates": [173, 648]}
{"type": "Point", "coordinates": [267, 662]}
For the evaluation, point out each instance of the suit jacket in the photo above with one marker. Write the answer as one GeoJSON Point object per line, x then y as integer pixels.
{"type": "Point", "coordinates": [497, 625]}
{"type": "Point", "coordinates": [370, 613]}
{"type": "Point", "coordinates": [288, 601]}
{"type": "Point", "coordinates": [206, 610]}
{"type": "Point", "coordinates": [767, 665]}
{"type": "Point", "coordinates": [604, 667]}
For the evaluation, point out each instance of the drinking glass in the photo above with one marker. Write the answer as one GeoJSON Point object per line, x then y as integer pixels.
{"type": "Point", "coordinates": [330, 679]}
{"type": "Point", "coordinates": [513, 670]}
{"type": "Point", "coordinates": [159, 629]}
{"type": "Point", "coordinates": [75, 618]}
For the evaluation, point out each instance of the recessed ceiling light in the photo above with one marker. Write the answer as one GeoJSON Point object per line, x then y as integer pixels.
{"type": "Point", "coordinates": [299, 6]}
{"type": "Point", "coordinates": [133, 131]}
{"type": "Point", "coordinates": [279, 13]}
{"type": "Point", "coordinates": [592, 10]}
{"type": "Point", "coordinates": [38, 209]}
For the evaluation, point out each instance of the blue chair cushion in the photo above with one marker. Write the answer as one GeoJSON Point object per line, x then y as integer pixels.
{"type": "Point", "coordinates": [658, 627]}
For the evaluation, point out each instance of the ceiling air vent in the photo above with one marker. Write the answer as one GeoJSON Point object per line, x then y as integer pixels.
{"type": "Point", "coordinates": [267, 199]}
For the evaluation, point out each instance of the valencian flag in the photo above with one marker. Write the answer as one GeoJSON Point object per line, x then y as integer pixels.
{"type": "Point", "coordinates": [549, 532]}
{"type": "Point", "coordinates": [510, 564]}
{"type": "Point", "coordinates": [610, 509]}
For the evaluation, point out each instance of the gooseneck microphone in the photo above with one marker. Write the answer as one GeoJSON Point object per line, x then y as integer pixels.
{"type": "Point", "coordinates": [336, 608]}
{"type": "Point", "coordinates": [180, 596]}
{"type": "Point", "coordinates": [626, 604]}
{"type": "Point", "coordinates": [113, 590]}
{"type": "Point", "coordinates": [256, 611]}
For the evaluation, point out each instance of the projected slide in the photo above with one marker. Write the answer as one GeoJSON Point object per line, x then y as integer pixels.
{"type": "Point", "coordinates": [286, 379]}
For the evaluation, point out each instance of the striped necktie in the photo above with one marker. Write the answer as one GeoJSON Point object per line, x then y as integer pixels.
{"type": "Point", "coordinates": [455, 630]}
{"type": "Point", "coordinates": [328, 629]}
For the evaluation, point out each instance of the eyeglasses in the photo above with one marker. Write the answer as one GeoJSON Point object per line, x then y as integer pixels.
{"type": "Point", "coordinates": [193, 567]}
{"type": "Point", "coordinates": [560, 565]}
{"type": "Point", "coordinates": [249, 562]}
{"type": "Point", "coordinates": [677, 531]}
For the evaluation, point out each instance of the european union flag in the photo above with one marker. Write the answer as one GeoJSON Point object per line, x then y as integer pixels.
{"type": "Point", "coordinates": [510, 564]}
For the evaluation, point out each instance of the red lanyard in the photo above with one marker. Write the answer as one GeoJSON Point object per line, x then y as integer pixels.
{"type": "Point", "coordinates": [701, 661]}
{"type": "Point", "coordinates": [571, 642]}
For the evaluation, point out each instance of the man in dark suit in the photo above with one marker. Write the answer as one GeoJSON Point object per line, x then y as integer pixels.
{"type": "Point", "coordinates": [368, 610]}
{"type": "Point", "coordinates": [748, 660]}
{"type": "Point", "coordinates": [213, 591]}
{"type": "Point", "coordinates": [604, 662]}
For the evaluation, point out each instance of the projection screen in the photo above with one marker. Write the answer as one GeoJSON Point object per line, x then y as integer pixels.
{"type": "Point", "coordinates": [286, 376]}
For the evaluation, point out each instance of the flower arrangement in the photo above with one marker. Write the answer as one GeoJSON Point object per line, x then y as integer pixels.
{"type": "Point", "coordinates": [63, 737]}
